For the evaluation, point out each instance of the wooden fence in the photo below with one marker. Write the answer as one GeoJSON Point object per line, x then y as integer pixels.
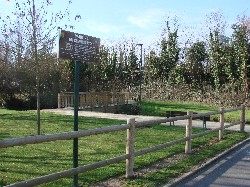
{"type": "Point", "coordinates": [131, 153]}
{"type": "Point", "coordinates": [91, 100]}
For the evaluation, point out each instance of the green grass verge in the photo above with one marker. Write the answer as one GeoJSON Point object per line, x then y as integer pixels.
{"type": "Point", "coordinates": [30, 161]}
{"type": "Point", "coordinates": [165, 175]}
{"type": "Point", "coordinates": [159, 108]}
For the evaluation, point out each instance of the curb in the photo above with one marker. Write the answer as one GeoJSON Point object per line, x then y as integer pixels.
{"type": "Point", "coordinates": [208, 163]}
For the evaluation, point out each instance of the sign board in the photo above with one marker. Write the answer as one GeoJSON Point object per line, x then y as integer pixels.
{"type": "Point", "coordinates": [74, 46]}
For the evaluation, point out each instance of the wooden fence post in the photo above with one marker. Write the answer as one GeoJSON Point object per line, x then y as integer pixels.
{"type": "Point", "coordinates": [72, 101]}
{"type": "Point", "coordinates": [189, 133]}
{"type": "Point", "coordinates": [242, 118]}
{"type": "Point", "coordinates": [221, 131]}
{"type": "Point", "coordinates": [130, 150]}
{"type": "Point", "coordinates": [59, 101]}
{"type": "Point", "coordinates": [66, 101]}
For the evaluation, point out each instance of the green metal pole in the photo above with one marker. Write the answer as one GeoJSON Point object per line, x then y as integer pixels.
{"type": "Point", "coordinates": [75, 140]}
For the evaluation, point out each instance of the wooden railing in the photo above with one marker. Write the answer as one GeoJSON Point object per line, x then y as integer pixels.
{"type": "Point", "coordinates": [91, 100]}
{"type": "Point", "coordinates": [131, 153]}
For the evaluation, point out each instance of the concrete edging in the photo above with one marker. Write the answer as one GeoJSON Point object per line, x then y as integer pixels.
{"type": "Point", "coordinates": [208, 163]}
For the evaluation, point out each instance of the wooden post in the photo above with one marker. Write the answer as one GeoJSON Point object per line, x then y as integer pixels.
{"type": "Point", "coordinates": [59, 101]}
{"type": "Point", "coordinates": [242, 118]}
{"type": "Point", "coordinates": [105, 103]}
{"type": "Point", "coordinates": [130, 148]}
{"type": "Point", "coordinates": [88, 100]}
{"type": "Point", "coordinates": [221, 131]}
{"type": "Point", "coordinates": [189, 133]}
{"type": "Point", "coordinates": [72, 101]}
{"type": "Point", "coordinates": [92, 100]}
{"type": "Point", "coordinates": [66, 101]}
{"type": "Point", "coordinates": [81, 100]}
{"type": "Point", "coordinates": [116, 102]}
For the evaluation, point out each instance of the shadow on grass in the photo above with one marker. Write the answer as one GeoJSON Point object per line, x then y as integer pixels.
{"type": "Point", "coordinates": [4, 135]}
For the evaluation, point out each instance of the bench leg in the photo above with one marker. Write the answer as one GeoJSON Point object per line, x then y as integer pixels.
{"type": "Point", "coordinates": [171, 123]}
{"type": "Point", "coordinates": [170, 114]}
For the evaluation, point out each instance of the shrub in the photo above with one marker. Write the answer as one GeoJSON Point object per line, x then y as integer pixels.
{"type": "Point", "coordinates": [131, 109]}
{"type": "Point", "coordinates": [13, 103]}
{"type": "Point", "coordinates": [29, 103]}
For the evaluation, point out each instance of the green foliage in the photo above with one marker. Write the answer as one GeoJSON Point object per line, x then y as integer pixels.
{"type": "Point", "coordinates": [160, 67]}
{"type": "Point", "coordinates": [169, 55]}
{"type": "Point", "coordinates": [229, 57]}
{"type": "Point", "coordinates": [241, 49]}
{"type": "Point", "coordinates": [29, 102]}
{"type": "Point", "coordinates": [217, 60]}
{"type": "Point", "coordinates": [15, 104]}
{"type": "Point", "coordinates": [196, 64]}
{"type": "Point", "coordinates": [152, 67]}
{"type": "Point", "coordinates": [198, 67]}
{"type": "Point", "coordinates": [3, 183]}
{"type": "Point", "coordinates": [115, 72]}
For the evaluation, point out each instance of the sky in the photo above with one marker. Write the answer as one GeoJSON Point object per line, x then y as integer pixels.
{"type": "Point", "coordinates": [143, 21]}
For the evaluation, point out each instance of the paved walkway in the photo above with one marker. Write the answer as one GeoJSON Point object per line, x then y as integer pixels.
{"type": "Point", "coordinates": [230, 170]}
{"type": "Point", "coordinates": [196, 123]}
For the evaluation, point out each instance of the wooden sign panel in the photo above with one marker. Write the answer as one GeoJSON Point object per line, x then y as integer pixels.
{"type": "Point", "coordinates": [74, 46]}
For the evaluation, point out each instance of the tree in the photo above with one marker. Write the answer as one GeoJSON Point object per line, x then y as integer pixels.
{"type": "Point", "coordinates": [152, 67]}
{"type": "Point", "coordinates": [218, 62]}
{"type": "Point", "coordinates": [29, 29]}
{"type": "Point", "coordinates": [241, 48]}
{"type": "Point", "coordinates": [195, 65]}
{"type": "Point", "coordinates": [169, 55]}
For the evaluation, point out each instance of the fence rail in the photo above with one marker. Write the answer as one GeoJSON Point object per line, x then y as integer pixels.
{"type": "Point", "coordinates": [130, 151]}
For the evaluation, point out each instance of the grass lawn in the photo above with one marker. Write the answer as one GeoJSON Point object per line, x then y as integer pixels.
{"type": "Point", "coordinates": [159, 108]}
{"type": "Point", "coordinates": [30, 161]}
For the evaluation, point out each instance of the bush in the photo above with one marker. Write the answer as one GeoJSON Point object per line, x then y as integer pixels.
{"type": "Point", "coordinates": [29, 103]}
{"type": "Point", "coordinates": [130, 109]}
{"type": "Point", "coordinates": [13, 103]}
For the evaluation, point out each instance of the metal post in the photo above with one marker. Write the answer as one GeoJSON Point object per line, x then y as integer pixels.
{"type": "Point", "coordinates": [75, 140]}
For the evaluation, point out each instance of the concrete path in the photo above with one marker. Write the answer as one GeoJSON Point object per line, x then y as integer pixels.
{"type": "Point", "coordinates": [196, 123]}
{"type": "Point", "coordinates": [230, 170]}
{"type": "Point", "coordinates": [99, 114]}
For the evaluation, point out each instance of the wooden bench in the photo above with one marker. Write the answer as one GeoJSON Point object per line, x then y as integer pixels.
{"type": "Point", "coordinates": [181, 113]}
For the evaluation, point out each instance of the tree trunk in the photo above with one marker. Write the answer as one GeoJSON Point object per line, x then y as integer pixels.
{"type": "Point", "coordinates": [37, 67]}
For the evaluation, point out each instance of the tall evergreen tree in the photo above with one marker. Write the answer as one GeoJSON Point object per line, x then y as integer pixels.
{"type": "Point", "coordinates": [169, 54]}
